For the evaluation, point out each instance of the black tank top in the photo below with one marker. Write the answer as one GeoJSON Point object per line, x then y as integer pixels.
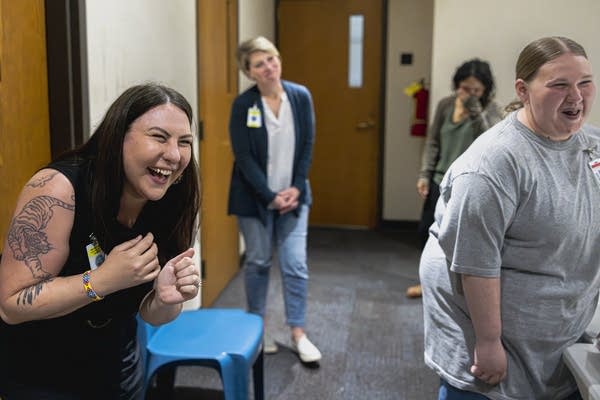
{"type": "Point", "coordinates": [93, 351]}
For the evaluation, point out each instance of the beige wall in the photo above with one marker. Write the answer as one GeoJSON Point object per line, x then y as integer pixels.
{"type": "Point", "coordinates": [134, 41]}
{"type": "Point", "coordinates": [256, 18]}
{"type": "Point", "coordinates": [497, 31]}
{"type": "Point", "coordinates": [410, 26]}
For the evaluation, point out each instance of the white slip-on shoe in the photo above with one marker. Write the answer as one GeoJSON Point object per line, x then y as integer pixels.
{"type": "Point", "coordinates": [269, 345]}
{"type": "Point", "coordinates": [307, 351]}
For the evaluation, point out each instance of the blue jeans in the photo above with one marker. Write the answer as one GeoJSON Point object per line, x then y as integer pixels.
{"type": "Point", "coordinates": [288, 234]}
{"type": "Point", "coordinates": [448, 392]}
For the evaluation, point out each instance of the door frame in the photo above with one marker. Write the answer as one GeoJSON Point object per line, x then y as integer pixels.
{"type": "Point", "coordinates": [68, 97]}
{"type": "Point", "coordinates": [217, 87]}
{"type": "Point", "coordinates": [382, 111]}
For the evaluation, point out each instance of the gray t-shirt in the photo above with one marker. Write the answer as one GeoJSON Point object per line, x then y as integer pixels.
{"type": "Point", "coordinates": [527, 210]}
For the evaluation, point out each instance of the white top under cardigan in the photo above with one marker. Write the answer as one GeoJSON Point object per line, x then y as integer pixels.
{"type": "Point", "coordinates": [282, 142]}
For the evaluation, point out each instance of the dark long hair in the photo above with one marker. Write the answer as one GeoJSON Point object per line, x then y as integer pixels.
{"type": "Point", "coordinates": [478, 69]}
{"type": "Point", "coordinates": [173, 218]}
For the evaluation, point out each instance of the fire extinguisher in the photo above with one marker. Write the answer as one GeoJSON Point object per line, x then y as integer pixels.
{"type": "Point", "coordinates": [420, 94]}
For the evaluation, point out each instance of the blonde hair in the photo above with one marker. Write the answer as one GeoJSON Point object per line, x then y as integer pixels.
{"type": "Point", "coordinates": [246, 48]}
{"type": "Point", "coordinates": [538, 53]}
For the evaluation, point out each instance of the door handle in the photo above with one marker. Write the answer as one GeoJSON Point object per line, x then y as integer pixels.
{"type": "Point", "coordinates": [365, 125]}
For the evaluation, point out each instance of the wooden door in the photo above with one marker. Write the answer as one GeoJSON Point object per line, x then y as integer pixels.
{"type": "Point", "coordinates": [313, 41]}
{"type": "Point", "coordinates": [24, 124]}
{"type": "Point", "coordinates": [217, 42]}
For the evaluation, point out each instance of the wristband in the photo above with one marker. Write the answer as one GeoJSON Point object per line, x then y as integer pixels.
{"type": "Point", "coordinates": [87, 286]}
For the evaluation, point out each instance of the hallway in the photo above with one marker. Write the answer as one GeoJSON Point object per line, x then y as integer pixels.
{"type": "Point", "coordinates": [370, 334]}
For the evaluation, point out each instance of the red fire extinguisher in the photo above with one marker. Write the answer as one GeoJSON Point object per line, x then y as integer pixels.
{"type": "Point", "coordinates": [420, 94]}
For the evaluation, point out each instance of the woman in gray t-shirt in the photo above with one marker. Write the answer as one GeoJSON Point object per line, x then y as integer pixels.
{"type": "Point", "coordinates": [511, 271]}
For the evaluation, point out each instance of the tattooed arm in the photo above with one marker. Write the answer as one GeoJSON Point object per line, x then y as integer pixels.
{"type": "Point", "coordinates": [36, 248]}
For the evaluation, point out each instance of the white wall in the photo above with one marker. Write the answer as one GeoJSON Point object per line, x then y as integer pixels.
{"type": "Point", "coordinates": [135, 41]}
{"type": "Point", "coordinates": [410, 26]}
{"type": "Point", "coordinates": [498, 31]}
{"type": "Point", "coordinates": [256, 18]}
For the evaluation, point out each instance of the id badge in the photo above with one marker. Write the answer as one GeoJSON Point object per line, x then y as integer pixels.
{"type": "Point", "coordinates": [595, 166]}
{"type": "Point", "coordinates": [95, 254]}
{"type": "Point", "coordinates": [254, 118]}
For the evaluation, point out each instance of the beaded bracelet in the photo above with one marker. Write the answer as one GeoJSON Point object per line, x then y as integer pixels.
{"type": "Point", "coordinates": [87, 286]}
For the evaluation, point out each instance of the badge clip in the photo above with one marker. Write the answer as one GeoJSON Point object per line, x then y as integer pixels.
{"type": "Point", "coordinates": [254, 117]}
{"type": "Point", "coordinates": [95, 254]}
{"type": "Point", "coordinates": [595, 167]}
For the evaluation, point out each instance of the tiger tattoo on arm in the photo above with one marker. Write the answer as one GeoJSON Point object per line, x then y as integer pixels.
{"type": "Point", "coordinates": [28, 240]}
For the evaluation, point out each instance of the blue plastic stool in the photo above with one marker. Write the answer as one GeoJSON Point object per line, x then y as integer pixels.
{"type": "Point", "coordinates": [229, 340]}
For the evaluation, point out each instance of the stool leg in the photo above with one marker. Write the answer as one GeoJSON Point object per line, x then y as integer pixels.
{"type": "Point", "coordinates": [258, 376]}
{"type": "Point", "coordinates": [165, 382]}
{"type": "Point", "coordinates": [234, 377]}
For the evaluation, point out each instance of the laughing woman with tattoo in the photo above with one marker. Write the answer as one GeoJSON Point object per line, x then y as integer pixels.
{"type": "Point", "coordinates": [98, 235]}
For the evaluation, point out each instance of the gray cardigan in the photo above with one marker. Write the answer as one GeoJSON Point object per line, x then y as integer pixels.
{"type": "Point", "coordinates": [489, 117]}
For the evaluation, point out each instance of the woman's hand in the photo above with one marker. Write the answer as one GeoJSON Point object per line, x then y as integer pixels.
{"type": "Point", "coordinates": [290, 196]}
{"type": "Point", "coordinates": [129, 264]}
{"type": "Point", "coordinates": [461, 96]}
{"type": "Point", "coordinates": [179, 279]}
{"type": "Point", "coordinates": [482, 296]}
{"type": "Point", "coordinates": [286, 200]}
{"type": "Point", "coordinates": [489, 362]}
{"type": "Point", "coordinates": [460, 111]}
{"type": "Point", "coordinates": [423, 187]}
{"type": "Point", "coordinates": [473, 106]}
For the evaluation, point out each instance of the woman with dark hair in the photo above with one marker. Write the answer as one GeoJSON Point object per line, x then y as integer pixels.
{"type": "Point", "coordinates": [511, 269]}
{"type": "Point", "coordinates": [459, 119]}
{"type": "Point", "coordinates": [100, 234]}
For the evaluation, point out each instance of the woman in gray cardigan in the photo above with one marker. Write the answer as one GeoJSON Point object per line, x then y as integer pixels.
{"type": "Point", "coordinates": [272, 133]}
{"type": "Point", "coordinates": [459, 119]}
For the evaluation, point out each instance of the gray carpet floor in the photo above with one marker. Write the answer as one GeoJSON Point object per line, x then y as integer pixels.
{"type": "Point", "coordinates": [370, 334]}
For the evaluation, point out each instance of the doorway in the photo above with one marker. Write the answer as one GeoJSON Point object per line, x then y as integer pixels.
{"type": "Point", "coordinates": [318, 39]}
{"type": "Point", "coordinates": [218, 86]}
